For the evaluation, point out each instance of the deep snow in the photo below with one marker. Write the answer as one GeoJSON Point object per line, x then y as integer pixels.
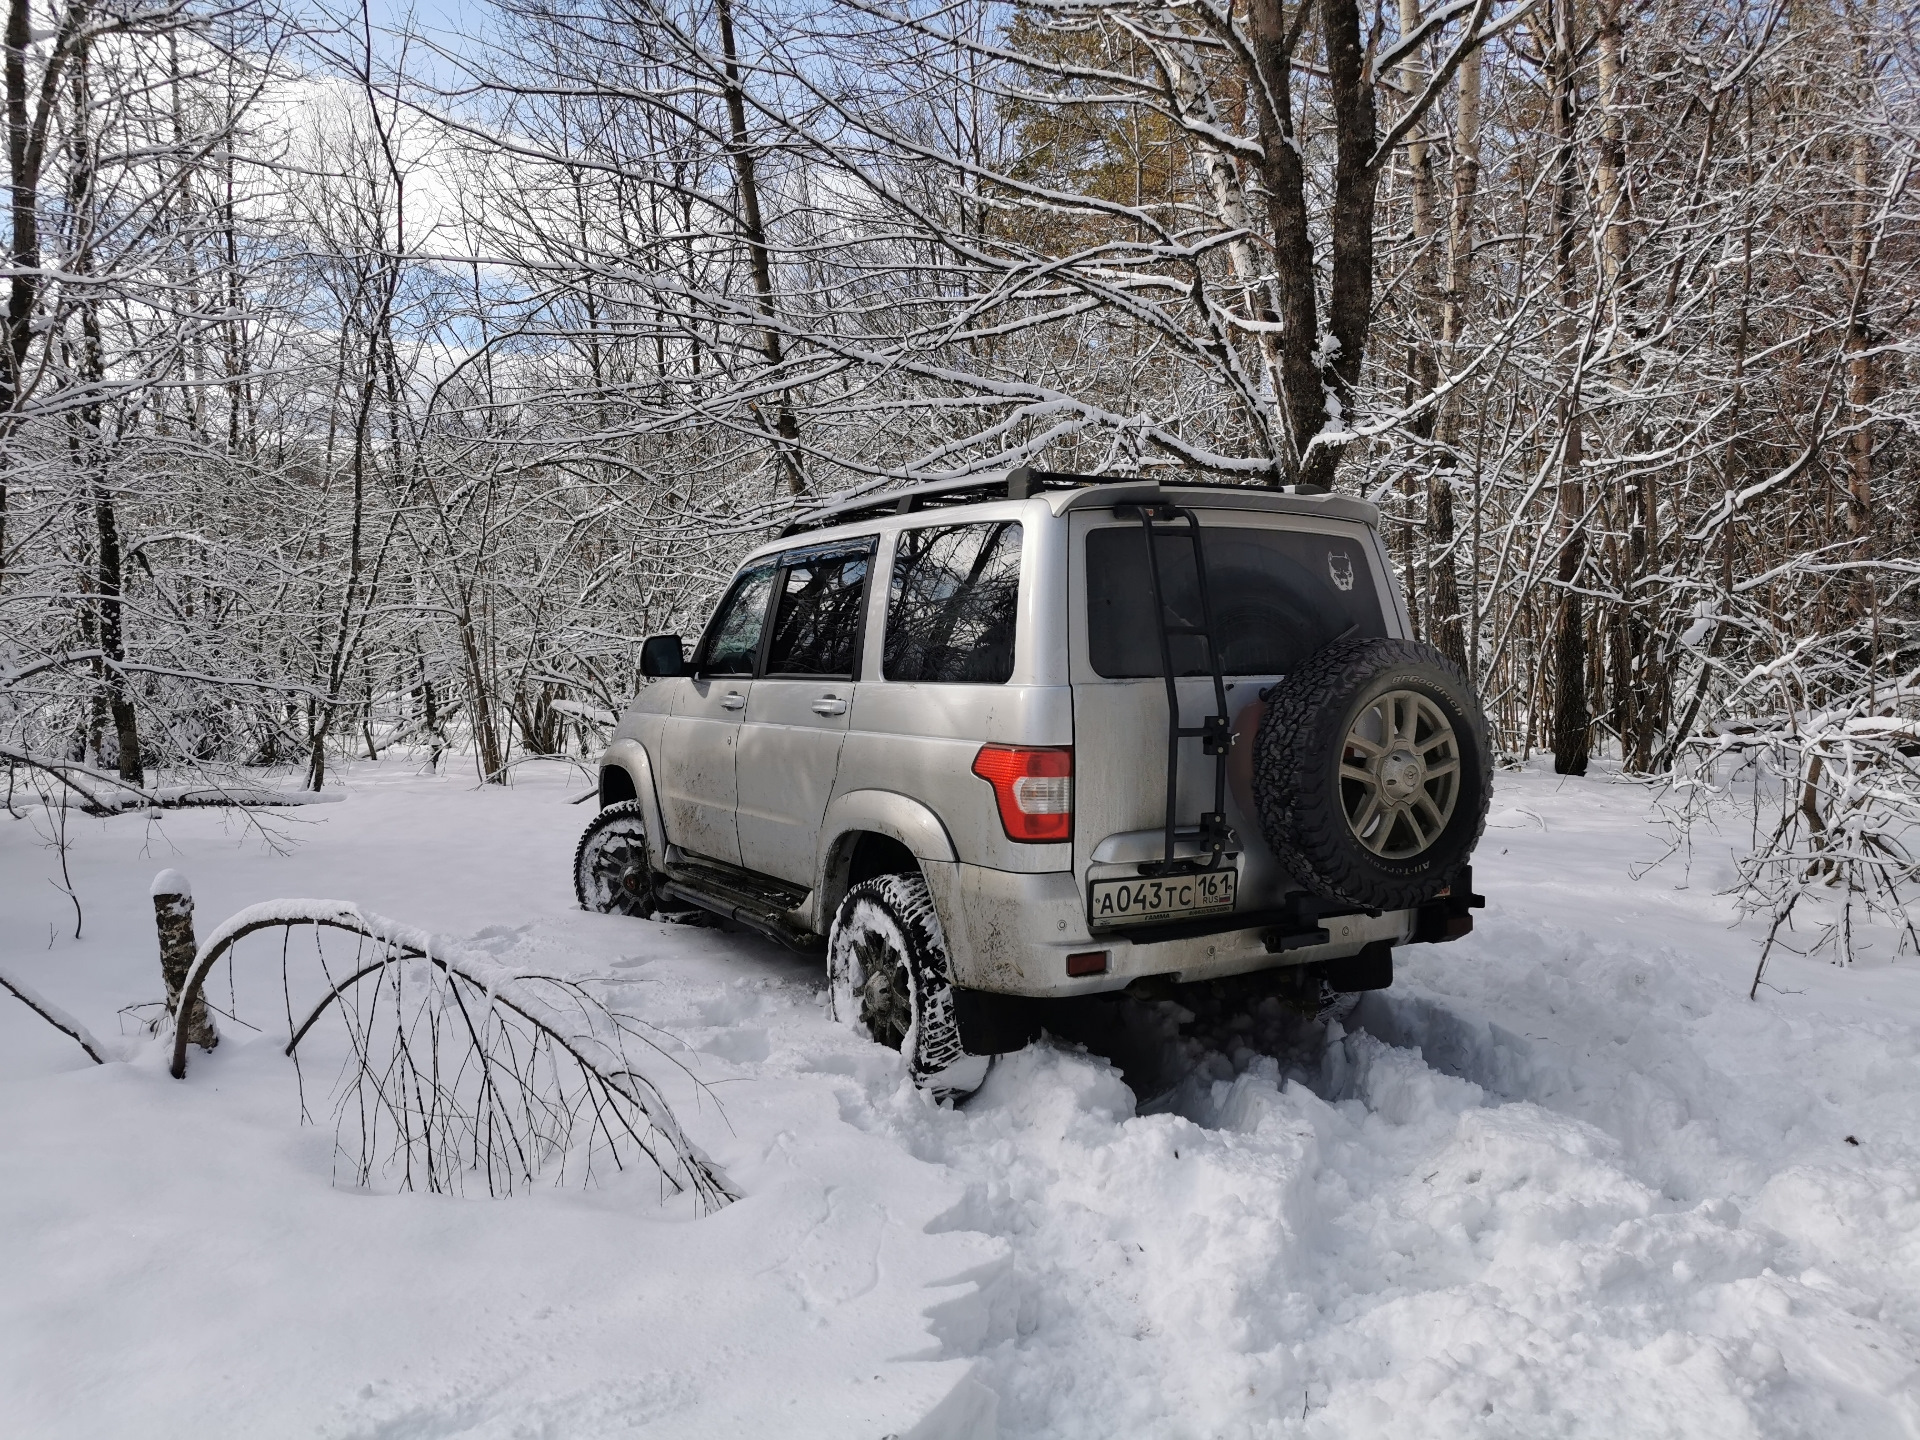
{"type": "Point", "coordinates": [1563, 1179]}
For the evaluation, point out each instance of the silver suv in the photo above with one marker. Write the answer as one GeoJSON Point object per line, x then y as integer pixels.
{"type": "Point", "coordinates": [993, 743]}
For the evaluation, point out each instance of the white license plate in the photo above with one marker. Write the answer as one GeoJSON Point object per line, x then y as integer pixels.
{"type": "Point", "coordinates": [1171, 897]}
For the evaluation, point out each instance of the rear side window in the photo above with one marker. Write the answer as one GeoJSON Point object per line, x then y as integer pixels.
{"type": "Point", "coordinates": [1278, 596]}
{"type": "Point", "coordinates": [733, 639]}
{"type": "Point", "coordinates": [952, 605]}
{"type": "Point", "coordinates": [816, 629]}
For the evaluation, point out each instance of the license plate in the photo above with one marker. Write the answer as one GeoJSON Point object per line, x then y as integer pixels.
{"type": "Point", "coordinates": [1171, 897]}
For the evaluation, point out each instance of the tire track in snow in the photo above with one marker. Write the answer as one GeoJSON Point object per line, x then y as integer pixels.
{"type": "Point", "coordinates": [1429, 1224]}
{"type": "Point", "coordinates": [1544, 1186]}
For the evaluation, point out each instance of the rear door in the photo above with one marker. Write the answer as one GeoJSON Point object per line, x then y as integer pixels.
{"type": "Point", "coordinates": [970, 654]}
{"type": "Point", "coordinates": [1281, 589]}
{"type": "Point", "coordinates": [698, 779]}
{"type": "Point", "coordinates": [796, 718]}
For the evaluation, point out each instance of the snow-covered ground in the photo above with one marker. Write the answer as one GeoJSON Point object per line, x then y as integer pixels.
{"type": "Point", "coordinates": [1562, 1179]}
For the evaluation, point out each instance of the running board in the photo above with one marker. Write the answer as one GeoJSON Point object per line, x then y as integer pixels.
{"type": "Point", "coordinates": [757, 901]}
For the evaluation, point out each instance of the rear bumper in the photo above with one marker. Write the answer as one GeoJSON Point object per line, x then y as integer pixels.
{"type": "Point", "coordinates": [1011, 934]}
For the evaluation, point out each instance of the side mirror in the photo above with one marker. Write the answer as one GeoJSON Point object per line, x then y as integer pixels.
{"type": "Point", "coordinates": [661, 657]}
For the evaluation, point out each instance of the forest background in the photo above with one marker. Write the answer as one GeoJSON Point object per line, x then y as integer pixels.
{"type": "Point", "coordinates": [366, 384]}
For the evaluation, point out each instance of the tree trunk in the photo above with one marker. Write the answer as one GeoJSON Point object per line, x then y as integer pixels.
{"type": "Point", "coordinates": [786, 426]}
{"type": "Point", "coordinates": [1445, 625]}
{"type": "Point", "coordinates": [173, 915]}
{"type": "Point", "coordinates": [88, 445]}
{"type": "Point", "coordinates": [1423, 368]}
{"type": "Point", "coordinates": [23, 252]}
{"type": "Point", "coordinates": [1861, 383]}
{"type": "Point", "coordinates": [1283, 176]}
{"type": "Point", "coordinates": [1350, 287]}
{"type": "Point", "coordinates": [1610, 171]}
{"type": "Point", "coordinates": [1572, 718]}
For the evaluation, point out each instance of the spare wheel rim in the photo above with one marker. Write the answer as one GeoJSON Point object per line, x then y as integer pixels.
{"type": "Point", "coordinates": [1399, 774]}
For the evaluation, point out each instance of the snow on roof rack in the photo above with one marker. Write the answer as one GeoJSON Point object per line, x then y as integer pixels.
{"type": "Point", "coordinates": [1018, 484]}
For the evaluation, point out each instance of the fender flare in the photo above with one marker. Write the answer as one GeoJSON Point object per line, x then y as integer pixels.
{"type": "Point", "coordinates": [882, 812]}
{"type": "Point", "coordinates": [631, 756]}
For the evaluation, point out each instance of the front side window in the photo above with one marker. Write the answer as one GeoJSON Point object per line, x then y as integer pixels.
{"type": "Point", "coordinates": [952, 606]}
{"type": "Point", "coordinates": [733, 639]}
{"type": "Point", "coordinates": [1278, 596]}
{"type": "Point", "coordinates": [816, 630]}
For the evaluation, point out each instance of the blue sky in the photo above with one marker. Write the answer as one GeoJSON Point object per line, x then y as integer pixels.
{"type": "Point", "coordinates": [452, 16]}
{"type": "Point", "coordinates": [447, 22]}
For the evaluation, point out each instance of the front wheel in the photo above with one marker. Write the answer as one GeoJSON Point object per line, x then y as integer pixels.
{"type": "Point", "coordinates": [889, 980]}
{"type": "Point", "coordinates": [612, 867]}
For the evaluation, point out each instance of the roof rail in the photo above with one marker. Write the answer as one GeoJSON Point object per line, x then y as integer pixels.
{"type": "Point", "coordinates": [1018, 484]}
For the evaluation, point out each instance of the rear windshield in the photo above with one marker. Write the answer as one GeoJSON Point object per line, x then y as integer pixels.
{"type": "Point", "coordinates": [1278, 596]}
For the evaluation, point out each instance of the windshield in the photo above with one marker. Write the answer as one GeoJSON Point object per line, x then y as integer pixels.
{"type": "Point", "coordinates": [1278, 596]}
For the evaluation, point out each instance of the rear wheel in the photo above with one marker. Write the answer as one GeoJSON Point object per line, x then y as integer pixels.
{"type": "Point", "coordinates": [889, 979]}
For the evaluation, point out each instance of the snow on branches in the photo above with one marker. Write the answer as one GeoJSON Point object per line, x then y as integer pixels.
{"type": "Point", "coordinates": [1834, 797]}
{"type": "Point", "coordinates": [457, 1068]}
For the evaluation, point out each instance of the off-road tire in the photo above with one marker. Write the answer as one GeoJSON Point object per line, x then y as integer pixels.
{"type": "Point", "coordinates": [613, 870]}
{"type": "Point", "coordinates": [888, 979]}
{"type": "Point", "coordinates": [1298, 775]}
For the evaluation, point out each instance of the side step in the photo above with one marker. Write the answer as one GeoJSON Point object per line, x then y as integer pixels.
{"type": "Point", "coordinates": [757, 901]}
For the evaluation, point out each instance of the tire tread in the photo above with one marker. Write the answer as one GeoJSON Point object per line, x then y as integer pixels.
{"type": "Point", "coordinates": [1296, 756]}
{"type": "Point", "coordinates": [937, 1052]}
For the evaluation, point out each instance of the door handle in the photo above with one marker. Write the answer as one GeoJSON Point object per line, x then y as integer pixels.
{"type": "Point", "coordinates": [829, 705]}
{"type": "Point", "coordinates": [733, 700]}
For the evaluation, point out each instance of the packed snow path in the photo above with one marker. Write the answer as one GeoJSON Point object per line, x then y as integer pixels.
{"type": "Point", "coordinates": [1563, 1179]}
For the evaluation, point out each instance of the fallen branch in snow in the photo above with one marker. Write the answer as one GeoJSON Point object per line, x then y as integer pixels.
{"type": "Point", "coordinates": [460, 1065]}
{"type": "Point", "coordinates": [55, 1016]}
{"type": "Point", "coordinates": [188, 797]}
{"type": "Point", "coordinates": [108, 793]}
{"type": "Point", "coordinates": [104, 793]}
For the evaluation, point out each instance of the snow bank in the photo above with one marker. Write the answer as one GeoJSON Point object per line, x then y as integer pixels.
{"type": "Point", "coordinates": [179, 1263]}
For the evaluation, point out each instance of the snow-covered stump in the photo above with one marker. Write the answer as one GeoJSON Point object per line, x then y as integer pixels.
{"type": "Point", "coordinates": [173, 913]}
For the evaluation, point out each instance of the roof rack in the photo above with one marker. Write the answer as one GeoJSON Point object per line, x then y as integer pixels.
{"type": "Point", "coordinates": [1018, 484]}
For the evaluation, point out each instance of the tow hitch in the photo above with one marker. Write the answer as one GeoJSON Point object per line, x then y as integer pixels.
{"type": "Point", "coordinates": [1446, 916]}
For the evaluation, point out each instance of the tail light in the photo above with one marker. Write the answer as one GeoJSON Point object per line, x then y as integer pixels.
{"type": "Point", "coordinates": [1033, 787]}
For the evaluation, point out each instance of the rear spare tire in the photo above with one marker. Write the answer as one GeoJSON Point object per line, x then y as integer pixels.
{"type": "Point", "coordinates": [1371, 774]}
